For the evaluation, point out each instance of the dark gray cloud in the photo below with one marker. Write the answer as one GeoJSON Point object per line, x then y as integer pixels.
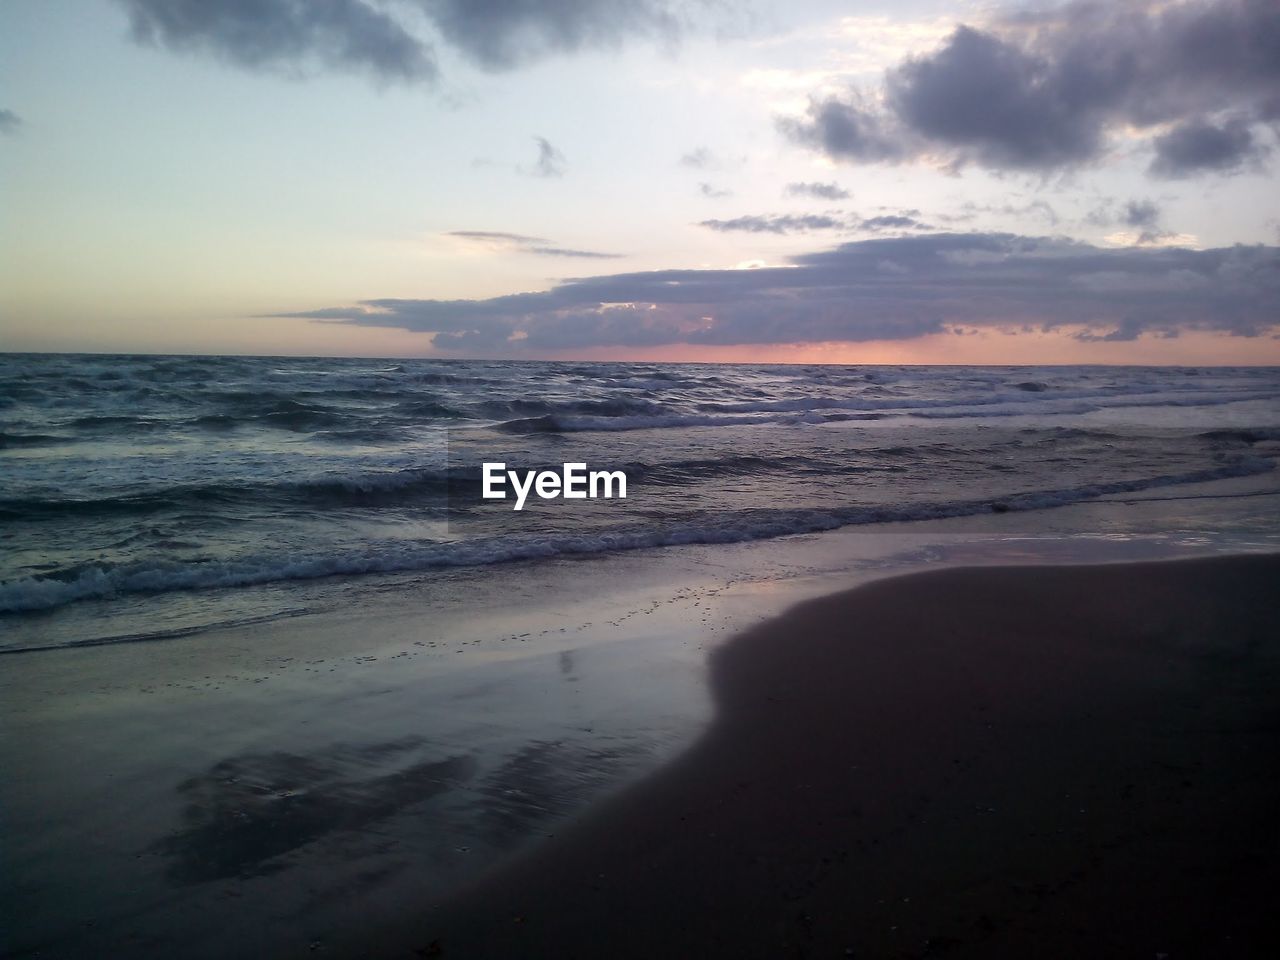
{"type": "Point", "coordinates": [1047, 90]}
{"type": "Point", "coordinates": [374, 35]}
{"type": "Point", "coordinates": [877, 289]}
{"type": "Point", "coordinates": [521, 243]}
{"type": "Point", "coordinates": [1142, 213]}
{"type": "Point", "coordinates": [286, 35]}
{"type": "Point", "coordinates": [550, 162]}
{"type": "Point", "coordinates": [993, 103]}
{"type": "Point", "coordinates": [804, 223]}
{"type": "Point", "coordinates": [502, 34]}
{"type": "Point", "coordinates": [845, 129]}
{"type": "Point", "coordinates": [10, 122]}
{"type": "Point", "coordinates": [1199, 145]}
{"type": "Point", "coordinates": [712, 192]}
{"type": "Point", "coordinates": [891, 222]}
{"type": "Point", "coordinates": [777, 223]}
{"type": "Point", "coordinates": [818, 191]}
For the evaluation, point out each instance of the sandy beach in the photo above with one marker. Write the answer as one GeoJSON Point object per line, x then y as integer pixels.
{"type": "Point", "coordinates": [419, 761]}
{"type": "Point", "coordinates": [1001, 762]}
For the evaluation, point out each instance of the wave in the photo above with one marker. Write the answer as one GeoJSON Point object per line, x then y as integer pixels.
{"type": "Point", "coordinates": [1245, 436]}
{"type": "Point", "coordinates": [429, 408]}
{"type": "Point", "coordinates": [296, 416]}
{"type": "Point", "coordinates": [290, 415]}
{"type": "Point", "coordinates": [118, 421]}
{"type": "Point", "coordinates": [449, 378]}
{"type": "Point", "coordinates": [170, 633]}
{"type": "Point", "coordinates": [1109, 398]}
{"type": "Point", "coordinates": [1120, 401]}
{"type": "Point", "coordinates": [357, 489]}
{"type": "Point", "coordinates": [563, 424]}
{"type": "Point", "coordinates": [419, 485]}
{"type": "Point", "coordinates": [604, 408]}
{"type": "Point", "coordinates": [815, 410]}
{"type": "Point", "coordinates": [18, 441]}
{"type": "Point", "coordinates": [372, 435]}
{"type": "Point", "coordinates": [681, 472]}
{"type": "Point", "coordinates": [98, 581]}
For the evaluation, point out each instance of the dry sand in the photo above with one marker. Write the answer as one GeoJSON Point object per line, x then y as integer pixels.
{"type": "Point", "coordinates": [999, 762]}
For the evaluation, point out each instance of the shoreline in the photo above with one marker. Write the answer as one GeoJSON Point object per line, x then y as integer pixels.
{"type": "Point", "coordinates": [1229, 515]}
{"type": "Point", "coordinates": [1000, 761]}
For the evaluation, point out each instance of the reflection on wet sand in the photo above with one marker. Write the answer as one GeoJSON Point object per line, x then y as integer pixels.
{"type": "Point", "coordinates": [545, 781]}
{"type": "Point", "coordinates": [245, 814]}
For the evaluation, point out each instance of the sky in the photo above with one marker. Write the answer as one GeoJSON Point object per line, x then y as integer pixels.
{"type": "Point", "coordinates": [879, 182]}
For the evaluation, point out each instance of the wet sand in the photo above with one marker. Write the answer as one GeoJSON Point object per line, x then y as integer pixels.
{"type": "Point", "coordinates": [996, 762]}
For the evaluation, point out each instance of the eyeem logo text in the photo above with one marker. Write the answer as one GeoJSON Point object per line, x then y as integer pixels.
{"type": "Point", "coordinates": [573, 483]}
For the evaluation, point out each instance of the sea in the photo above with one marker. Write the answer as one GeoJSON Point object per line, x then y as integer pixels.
{"type": "Point", "coordinates": [151, 496]}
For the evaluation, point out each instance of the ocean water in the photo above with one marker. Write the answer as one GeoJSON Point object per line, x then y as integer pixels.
{"type": "Point", "coordinates": [146, 496]}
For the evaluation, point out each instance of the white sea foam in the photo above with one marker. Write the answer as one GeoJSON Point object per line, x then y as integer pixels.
{"type": "Point", "coordinates": [42, 593]}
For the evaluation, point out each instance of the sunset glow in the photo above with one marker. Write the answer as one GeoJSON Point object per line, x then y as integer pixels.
{"type": "Point", "coordinates": [198, 195]}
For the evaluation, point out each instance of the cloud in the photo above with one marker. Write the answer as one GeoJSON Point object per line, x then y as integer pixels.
{"type": "Point", "coordinates": [875, 289]}
{"type": "Point", "coordinates": [1051, 90]}
{"type": "Point", "coordinates": [1141, 213]}
{"type": "Point", "coordinates": [520, 243]}
{"type": "Point", "coordinates": [993, 103]}
{"type": "Point", "coordinates": [699, 159]}
{"type": "Point", "coordinates": [286, 35]}
{"type": "Point", "coordinates": [818, 191]}
{"type": "Point", "coordinates": [1143, 220]}
{"type": "Point", "coordinates": [891, 222]}
{"type": "Point", "coordinates": [804, 223]}
{"type": "Point", "coordinates": [503, 34]}
{"type": "Point", "coordinates": [1198, 145]}
{"type": "Point", "coordinates": [849, 130]}
{"type": "Point", "coordinates": [580, 254]}
{"type": "Point", "coordinates": [10, 122]}
{"type": "Point", "coordinates": [703, 158]}
{"type": "Point", "coordinates": [495, 236]}
{"type": "Point", "coordinates": [780, 223]}
{"type": "Point", "coordinates": [550, 162]}
{"type": "Point", "coordinates": [713, 192]}
{"type": "Point", "coordinates": [1132, 213]}
{"type": "Point", "coordinates": [372, 35]}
